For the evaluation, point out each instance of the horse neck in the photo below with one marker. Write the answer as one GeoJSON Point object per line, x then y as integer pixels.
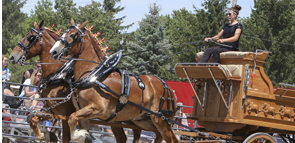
{"type": "Point", "coordinates": [88, 53]}
{"type": "Point", "coordinates": [47, 44]}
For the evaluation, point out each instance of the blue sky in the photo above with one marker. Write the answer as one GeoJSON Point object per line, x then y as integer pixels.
{"type": "Point", "coordinates": [135, 10]}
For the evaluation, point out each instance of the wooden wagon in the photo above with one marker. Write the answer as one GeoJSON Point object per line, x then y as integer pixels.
{"type": "Point", "coordinates": [237, 99]}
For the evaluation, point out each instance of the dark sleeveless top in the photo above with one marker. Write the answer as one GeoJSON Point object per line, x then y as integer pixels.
{"type": "Point", "coordinates": [21, 87]}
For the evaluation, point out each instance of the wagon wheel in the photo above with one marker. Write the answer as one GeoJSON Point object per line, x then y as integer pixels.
{"type": "Point", "coordinates": [260, 138]}
{"type": "Point", "coordinates": [288, 138]}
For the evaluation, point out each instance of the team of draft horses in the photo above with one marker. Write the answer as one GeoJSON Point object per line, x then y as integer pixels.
{"type": "Point", "coordinates": [92, 86]}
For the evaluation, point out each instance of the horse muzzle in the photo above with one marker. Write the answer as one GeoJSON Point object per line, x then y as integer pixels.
{"type": "Point", "coordinates": [54, 55]}
{"type": "Point", "coordinates": [14, 58]}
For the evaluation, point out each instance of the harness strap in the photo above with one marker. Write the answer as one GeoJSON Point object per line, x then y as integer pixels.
{"type": "Point", "coordinates": [141, 85]}
{"type": "Point", "coordinates": [52, 36]}
{"type": "Point", "coordinates": [77, 99]}
{"type": "Point", "coordinates": [160, 115]}
{"type": "Point", "coordinates": [170, 99]}
{"type": "Point", "coordinates": [96, 51]}
{"type": "Point", "coordinates": [125, 91]}
{"type": "Point", "coordinates": [41, 34]}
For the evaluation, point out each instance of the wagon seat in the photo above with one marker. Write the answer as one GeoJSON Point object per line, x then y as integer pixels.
{"type": "Point", "coordinates": [231, 61]}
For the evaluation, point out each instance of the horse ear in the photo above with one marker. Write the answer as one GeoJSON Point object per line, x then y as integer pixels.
{"type": "Point", "coordinates": [41, 24]}
{"type": "Point", "coordinates": [35, 23]}
{"type": "Point", "coordinates": [72, 21]}
{"type": "Point", "coordinates": [83, 24]}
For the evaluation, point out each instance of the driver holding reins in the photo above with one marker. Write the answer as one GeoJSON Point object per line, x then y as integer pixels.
{"type": "Point", "coordinates": [231, 33]}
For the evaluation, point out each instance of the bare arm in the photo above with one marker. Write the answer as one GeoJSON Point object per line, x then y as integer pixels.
{"type": "Point", "coordinates": [4, 72]}
{"type": "Point", "coordinates": [233, 38]}
{"type": "Point", "coordinates": [216, 37]}
{"type": "Point", "coordinates": [28, 93]}
{"type": "Point", "coordinates": [27, 75]}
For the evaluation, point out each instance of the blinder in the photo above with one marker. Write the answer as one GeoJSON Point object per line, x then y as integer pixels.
{"type": "Point", "coordinates": [76, 37]}
{"type": "Point", "coordinates": [32, 41]}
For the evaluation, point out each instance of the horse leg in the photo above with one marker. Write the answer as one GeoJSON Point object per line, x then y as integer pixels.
{"type": "Point", "coordinates": [81, 135]}
{"type": "Point", "coordinates": [119, 134]}
{"type": "Point", "coordinates": [84, 124]}
{"type": "Point", "coordinates": [66, 135]}
{"type": "Point", "coordinates": [164, 129]}
{"type": "Point", "coordinates": [159, 138]}
{"type": "Point", "coordinates": [36, 127]}
{"type": "Point", "coordinates": [42, 136]}
{"type": "Point", "coordinates": [136, 135]}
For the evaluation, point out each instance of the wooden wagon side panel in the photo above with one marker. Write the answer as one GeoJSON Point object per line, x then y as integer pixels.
{"type": "Point", "coordinates": [212, 102]}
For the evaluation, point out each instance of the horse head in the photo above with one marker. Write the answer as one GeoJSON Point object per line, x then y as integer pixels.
{"type": "Point", "coordinates": [27, 47]}
{"type": "Point", "coordinates": [70, 42]}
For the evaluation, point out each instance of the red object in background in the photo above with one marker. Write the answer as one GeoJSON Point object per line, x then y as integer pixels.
{"type": "Point", "coordinates": [184, 94]}
{"type": "Point", "coordinates": [52, 25]}
{"type": "Point", "coordinates": [275, 88]}
{"type": "Point", "coordinates": [90, 28]}
{"type": "Point", "coordinates": [102, 39]}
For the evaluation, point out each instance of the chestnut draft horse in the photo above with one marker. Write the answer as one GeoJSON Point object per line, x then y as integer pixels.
{"type": "Point", "coordinates": [96, 102]}
{"type": "Point", "coordinates": [33, 48]}
{"type": "Point", "coordinates": [30, 47]}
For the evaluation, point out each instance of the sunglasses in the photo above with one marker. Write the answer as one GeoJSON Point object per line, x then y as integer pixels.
{"type": "Point", "coordinates": [39, 75]}
{"type": "Point", "coordinates": [38, 66]}
{"type": "Point", "coordinates": [228, 14]}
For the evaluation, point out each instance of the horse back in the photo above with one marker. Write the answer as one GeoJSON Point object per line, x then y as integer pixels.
{"type": "Point", "coordinates": [157, 89]}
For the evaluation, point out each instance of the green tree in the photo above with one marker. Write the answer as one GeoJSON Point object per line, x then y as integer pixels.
{"type": "Point", "coordinates": [102, 17]}
{"type": "Point", "coordinates": [212, 18]}
{"type": "Point", "coordinates": [150, 36]}
{"type": "Point", "coordinates": [186, 27]}
{"type": "Point", "coordinates": [181, 29]}
{"type": "Point", "coordinates": [109, 5]}
{"type": "Point", "coordinates": [271, 27]}
{"type": "Point", "coordinates": [65, 10]}
{"type": "Point", "coordinates": [12, 17]}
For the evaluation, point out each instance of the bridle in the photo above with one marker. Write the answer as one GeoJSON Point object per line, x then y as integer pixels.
{"type": "Point", "coordinates": [33, 40]}
{"type": "Point", "coordinates": [76, 37]}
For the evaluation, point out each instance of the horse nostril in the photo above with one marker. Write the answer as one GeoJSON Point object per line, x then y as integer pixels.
{"type": "Point", "coordinates": [11, 58]}
{"type": "Point", "coordinates": [54, 53]}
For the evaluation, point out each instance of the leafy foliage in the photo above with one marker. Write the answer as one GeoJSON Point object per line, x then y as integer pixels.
{"type": "Point", "coordinates": [151, 39]}
{"type": "Point", "coordinates": [12, 18]}
{"type": "Point", "coordinates": [271, 28]}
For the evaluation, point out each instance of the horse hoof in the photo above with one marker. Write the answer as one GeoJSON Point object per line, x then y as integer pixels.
{"type": "Point", "coordinates": [29, 118]}
{"type": "Point", "coordinates": [88, 139]}
{"type": "Point", "coordinates": [50, 137]}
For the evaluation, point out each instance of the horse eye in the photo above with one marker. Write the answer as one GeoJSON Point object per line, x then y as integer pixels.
{"type": "Point", "coordinates": [72, 35]}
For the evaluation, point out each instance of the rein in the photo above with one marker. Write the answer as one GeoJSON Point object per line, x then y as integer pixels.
{"type": "Point", "coordinates": [59, 75]}
{"type": "Point", "coordinates": [160, 48]}
{"type": "Point", "coordinates": [75, 59]}
{"type": "Point", "coordinates": [138, 65]}
{"type": "Point", "coordinates": [42, 63]}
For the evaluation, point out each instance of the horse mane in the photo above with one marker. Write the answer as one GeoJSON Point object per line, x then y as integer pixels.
{"type": "Point", "coordinates": [50, 30]}
{"type": "Point", "coordinates": [98, 46]}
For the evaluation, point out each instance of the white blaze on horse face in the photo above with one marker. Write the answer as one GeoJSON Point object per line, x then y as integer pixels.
{"type": "Point", "coordinates": [58, 46]}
